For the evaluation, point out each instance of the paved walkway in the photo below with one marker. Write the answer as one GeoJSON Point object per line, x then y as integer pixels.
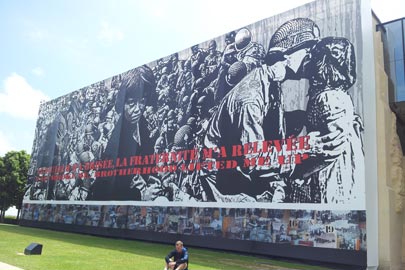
{"type": "Point", "coordinates": [4, 266]}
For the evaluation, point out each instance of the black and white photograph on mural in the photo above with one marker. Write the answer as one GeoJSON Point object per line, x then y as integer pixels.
{"type": "Point", "coordinates": [267, 114]}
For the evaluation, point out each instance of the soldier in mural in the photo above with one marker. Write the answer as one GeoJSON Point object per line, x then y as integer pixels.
{"type": "Point", "coordinates": [249, 52]}
{"type": "Point", "coordinates": [131, 137]}
{"type": "Point", "coordinates": [253, 111]}
{"type": "Point", "coordinates": [331, 73]}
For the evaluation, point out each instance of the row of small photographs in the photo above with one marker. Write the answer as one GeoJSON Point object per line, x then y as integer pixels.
{"type": "Point", "coordinates": [326, 229]}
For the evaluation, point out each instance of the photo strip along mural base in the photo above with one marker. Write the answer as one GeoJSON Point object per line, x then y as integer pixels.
{"type": "Point", "coordinates": [255, 135]}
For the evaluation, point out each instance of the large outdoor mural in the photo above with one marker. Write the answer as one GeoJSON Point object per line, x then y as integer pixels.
{"type": "Point", "coordinates": [254, 135]}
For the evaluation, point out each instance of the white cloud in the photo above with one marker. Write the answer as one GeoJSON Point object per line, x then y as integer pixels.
{"type": "Point", "coordinates": [388, 10]}
{"type": "Point", "coordinates": [38, 71]}
{"type": "Point", "coordinates": [12, 211]}
{"type": "Point", "coordinates": [5, 145]}
{"type": "Point", "coordinates": [109, 34]}
{"type": "Point", "coordinates": [37, 35]}
{"type": "Point", "coordinates": [19, 99]}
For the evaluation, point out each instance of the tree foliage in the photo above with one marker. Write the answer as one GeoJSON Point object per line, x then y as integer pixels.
{"type": "Point", "coordinates": [13, 177]}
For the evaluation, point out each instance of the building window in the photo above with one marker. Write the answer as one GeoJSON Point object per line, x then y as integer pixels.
{"type": "Point", "coordinates": [393, 35]}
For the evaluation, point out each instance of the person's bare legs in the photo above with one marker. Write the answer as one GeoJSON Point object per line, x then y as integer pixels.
{"type": "Point", "coordinates": [181, 266]}
{"type": "Point", "coordinates": [171, 266]}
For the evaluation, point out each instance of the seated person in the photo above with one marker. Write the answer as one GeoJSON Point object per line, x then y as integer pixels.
{"type": "Point", "coordinates": [177, 259]}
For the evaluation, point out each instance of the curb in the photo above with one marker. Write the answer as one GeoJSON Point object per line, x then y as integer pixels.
{"type": "Point", "coordinates": [5, 266]}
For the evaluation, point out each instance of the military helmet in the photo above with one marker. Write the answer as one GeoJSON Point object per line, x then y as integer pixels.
{"type": "Point", "coordinates": [236, 72]}
{"type": "Point", "coordinates": [212, 45]}
{"type": "Point", "coordinates": [182, 137]}
{"type": "Point", "coordinates": [294, 34]}
{"type": "Point", "coordinates": [242, 38]}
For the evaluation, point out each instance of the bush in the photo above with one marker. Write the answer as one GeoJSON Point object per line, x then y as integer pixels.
{"type": "Point", "coordinates": [10, 220]}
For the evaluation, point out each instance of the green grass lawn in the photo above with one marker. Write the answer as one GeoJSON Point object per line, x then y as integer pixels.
{"type": "Point", "coordinates": [67, 251]}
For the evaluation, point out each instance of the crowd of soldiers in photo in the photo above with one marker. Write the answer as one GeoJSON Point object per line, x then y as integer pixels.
{"type": "Point", "coordinates": [71, 130]}
{"type": "Point", "coordinates": [181, 104]}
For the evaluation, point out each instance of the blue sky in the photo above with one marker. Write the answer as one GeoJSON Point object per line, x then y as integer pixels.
{"type": "Point", "coordinates": [50, 48]}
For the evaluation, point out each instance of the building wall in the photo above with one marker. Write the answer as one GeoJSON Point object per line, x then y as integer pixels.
{"type": "Point", "coordinates": [391, 168]}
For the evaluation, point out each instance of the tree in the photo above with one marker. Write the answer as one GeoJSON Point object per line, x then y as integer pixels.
{"type": "Point", "coordinates": [5, 200]}
{"type": "Point", "coordinates": [13, 177]}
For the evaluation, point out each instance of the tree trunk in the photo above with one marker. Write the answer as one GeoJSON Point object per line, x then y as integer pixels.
{"type": "Point", "coordinates": [18, 214]}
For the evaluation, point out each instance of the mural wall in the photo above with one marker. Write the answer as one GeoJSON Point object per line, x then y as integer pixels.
{"type": "Point", "coordinates": [254, 135]}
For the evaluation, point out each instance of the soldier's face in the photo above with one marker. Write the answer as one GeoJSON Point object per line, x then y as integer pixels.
{"type": "Point", "coordinates": [90, 93]}
{"type": "Point", "coordinates": [81, 98]}
{"type": "Point", "coordinates": [295, 62]}
{"type": "Point", "coordinates": [133, 109]}
{"type": "Point", "coordinates": [170, 124]}
{"type": "Point", "coordinates": [94, 147]}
